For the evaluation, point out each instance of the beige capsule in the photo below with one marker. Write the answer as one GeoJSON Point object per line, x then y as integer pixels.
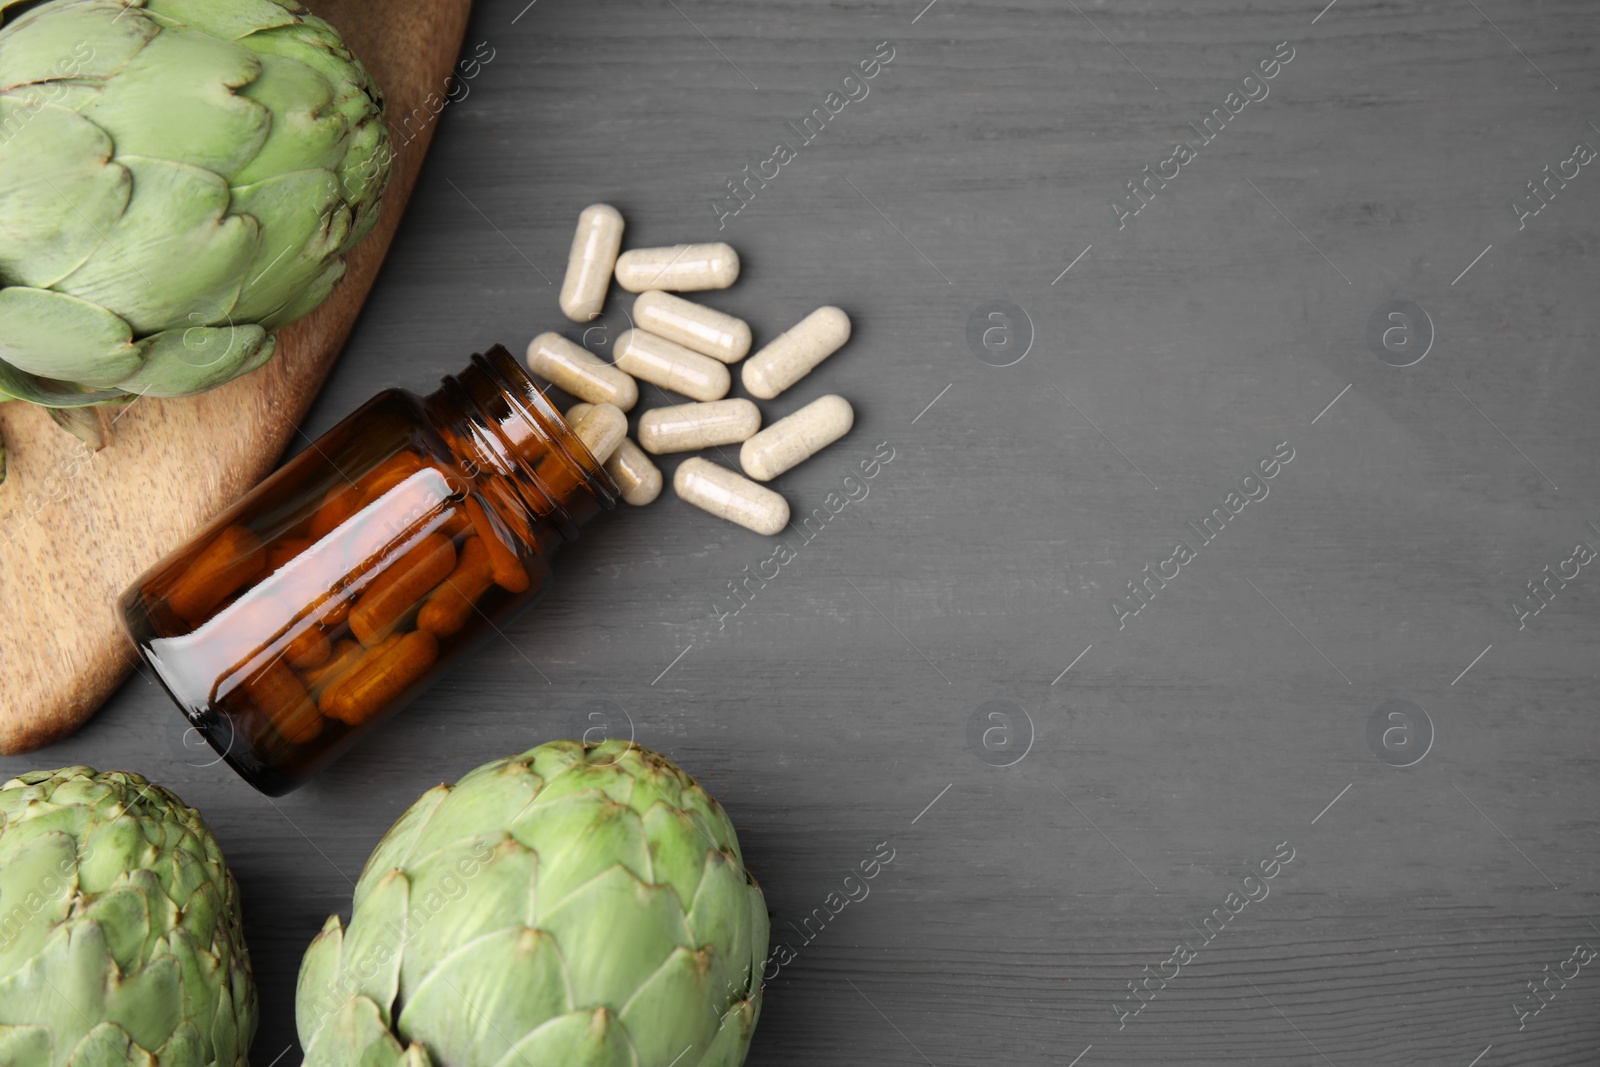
{"type": "Point", "coordinates": [678, 268]}
{"type": "Point", "coordinates": [580, 372]}
{"type": "Point", "coordinates": [795, 438]}
{"type": "Point", "coordinates": [635, 474]}
{"type": "Point", "coordinates": [796, 352]}
{"type": "Point", "coordinates": [690, 426]}
{"type": "Point", "coordinates": [730, 495]}
{"type": "Point", "coordinates": [601, 428]}
{"type": "Point", "coordinates": [591, 261]}
{"type": "Point", "coordinates": [694, 326]}
{"type": "Point", "coordinates": [671, 366]}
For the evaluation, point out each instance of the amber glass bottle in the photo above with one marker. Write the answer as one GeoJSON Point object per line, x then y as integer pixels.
{"type": "Point", "coordinates": [331, 595]}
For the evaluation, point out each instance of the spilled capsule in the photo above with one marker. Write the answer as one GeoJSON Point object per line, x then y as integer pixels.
{"type": "Point", "coordinates": [795, 438]}
{"type": "Point", "coordinates": [796, 352]}
{"type": "Point", "coordinates": [730, 495]}
{"type": "Point", "coordinates": [635, 474]}
{"type": "Point", "coordinates": [601, 428]}
{"type": "Point", "coordinates": [686, 427]}
{"type": "Point", "coordinates": [572, 367]}
{"type": "Point", "coordinates": [694, 326]}
{"type": "Point", "coordinates": [678, 268]}
{"type": "Point", "coordinates": [590, 262]}
{"type": "Point", "coordinates": [671, 366]}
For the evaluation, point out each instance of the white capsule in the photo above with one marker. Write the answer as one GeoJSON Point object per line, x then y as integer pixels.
{"type": "Point", "coordinates": [601, 428]}
{"type": "Point", "coordinates": [671, 366]}
{"type": "Point", "coordinates": [678, 268]}
{"type": "Point", "coordinates": [730, 495]}
{"type": "Point", "coordinates": [580, 372]}
{"type": "Point", "coordinates": [694, 326]}
{"type": "Point", "coordinates": [589, 264]}
{"type": "Point", "coordinates": [796, 352]}
{"type": "Point", "coordinates": [637, 477]}
{"type": "Point", "coordinates": [690, 426]}
{"type": "Point", "coordinates": [795, 438]}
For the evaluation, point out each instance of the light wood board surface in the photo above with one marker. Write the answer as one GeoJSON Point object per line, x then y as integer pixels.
{"type": "Point", "coordinates": [77, 527]}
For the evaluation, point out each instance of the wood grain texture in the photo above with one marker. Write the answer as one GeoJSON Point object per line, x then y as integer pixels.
{"type": "Point", "coordinates": [834, 708]}
{"type": "Point", "coordinates": [77, 527]}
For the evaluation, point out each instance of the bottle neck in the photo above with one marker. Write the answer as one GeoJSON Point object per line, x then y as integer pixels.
{"type": "Point", "coordinates": [517, 450]}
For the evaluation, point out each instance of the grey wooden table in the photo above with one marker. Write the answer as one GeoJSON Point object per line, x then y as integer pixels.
{"type": "Point", "coordinates": [1083, 799]}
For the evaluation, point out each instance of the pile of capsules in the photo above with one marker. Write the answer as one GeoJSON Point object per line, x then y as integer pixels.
{"type": "Point", "coordinates": [687, 348]}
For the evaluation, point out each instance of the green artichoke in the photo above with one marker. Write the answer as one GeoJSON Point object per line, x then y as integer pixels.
{"type": "Point", "coordinates": [119, 928]}
{"type": "Point", "coordinates": [577, 905]}
{"type": "Point", "coordinates": [178, 178]}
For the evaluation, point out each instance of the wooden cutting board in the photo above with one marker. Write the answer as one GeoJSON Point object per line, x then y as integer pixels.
{"type": "Point", "coordinates": [77, 527]}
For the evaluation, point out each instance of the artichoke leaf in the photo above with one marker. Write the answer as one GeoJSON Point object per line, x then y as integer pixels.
{"type": "Point", "coordinates": [365, 169]}
{"type": "Point", "coordinates": [467, 1012]}
{"type": "Point", "coordinates": [86, 39]}
{"type": "Point", "coordinates": [175, 258]}
{"type": "Point", "coordinates": [718, 917]}
{"type": "Point", "coordinates": [185, 1047]}
{"type": "Point", "coordinates": [356, 1037]}
{"type": "Point", "coordinates": [375, 943]}
{"type": "Point", "coordinates": [62, 987]}
{"type": "Point", "coordinates": [364, 174]}
{"type": "Point", "coordinates": [71, 95]}
{"type": "Point", "coordinates": [108, 1045]}
{"type": "Point", "coordinates": [714, 820]}
{"type": "Point", "coordinates": [486, 801]}
{"type": "Point", "coordinates": [304, 223]}
{"type": "Point", "coordinates": [588, 779]}
{"type": "Point", "coordinates": [458, 893]}
{"type": "Point", "coordinates": [110, 850]}
{"type": "Point", "coordinates": [622, 930]}
{"type": "Point", "coordinates": [738, 1025]}
{"type": "Point", "coordinates": [59, 192]}
{"type": "Point", "coordinates": [185, 362]}
{"type": "Point", "coordinates": [555, 759]}
{"type": "Point", "coordinates": [263, 354]}
{"type": "Point", "coordinates": [148, 1004]}
{"type": "Point", "coordinates": [317, 997]}
{"type": "Point", "coordinates": [309, 298]}
{"type": "Point", "coordinates": [579, 1039]}
{"type": "Point", "coordinates": [197, 972]}
{"type": "Point", "coordinates": [307, 133]}
{"type": "Point", "coordinates": [760, 937]}
{"type": "Point", "coordinates": [230, 21]}
{"type": "Point", "coordinates": [175, 100]}
{"type": "Point", "coordinates": [125, 917]}
{"type": "Point", "coordinates": [318, 45]}
{"type": "Point", "coordinates": [395, 848]}
{"type": "Point", "coordinates": [58, 336]}
{"type": "Point", "coordinates": [414, 1056]}
{"type": "Point", "coordinates": [35, 894]}
{"type": "Point", "coordinates": [25, 1046]}
{"type": "Point", "coordinates": [227, 1026]}
{"type": "Point", "coordinates": [658, 779]}
{"type": "Point", "coordinates": [577, 840]}
{"type": "Point", "coordinates": [396, 845]}
{"type": "Point", "coordinates": [677, 1008]}
{"type": "Point", "coordinates": [678, 852]}
{"type": "Point", "coordinates": [163, 912]}
{"type": "Point", "coordinates": [82, 423]}
{"type": "Point", "coordinates": [201, 913]}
